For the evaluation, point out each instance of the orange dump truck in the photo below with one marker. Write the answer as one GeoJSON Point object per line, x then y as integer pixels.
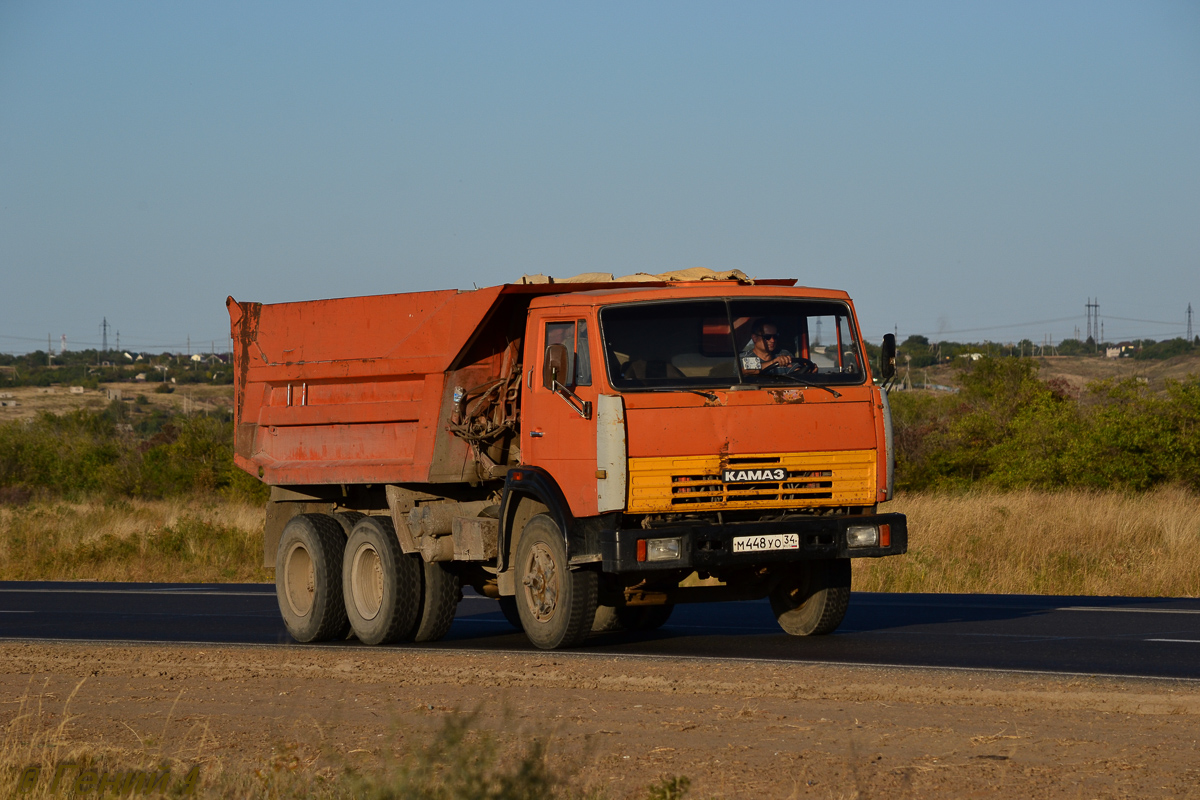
{"type": "Point", "coordinates": [590, 453]}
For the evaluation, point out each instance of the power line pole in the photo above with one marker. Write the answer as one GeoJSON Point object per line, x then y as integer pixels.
{"type": "Point", "coordinates": [1093, 319]}
{"type": "Point", "coordinates": [1190, 336]}
{"type": "Point", "coordinates": [104, 335]}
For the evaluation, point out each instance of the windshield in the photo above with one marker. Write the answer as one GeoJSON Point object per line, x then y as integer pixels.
{"type": "Point", "coordinates": [716, 343]}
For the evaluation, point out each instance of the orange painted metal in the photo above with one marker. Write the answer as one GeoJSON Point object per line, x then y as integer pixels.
{"type": "Point", "coordinates": [359, 390]}
{"type": "Point", "coordinates": [785, 420]}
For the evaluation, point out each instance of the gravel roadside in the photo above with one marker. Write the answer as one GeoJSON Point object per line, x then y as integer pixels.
{"type": "Point", "coordinates": [736, 729]}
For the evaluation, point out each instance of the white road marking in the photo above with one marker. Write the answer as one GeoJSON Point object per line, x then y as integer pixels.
{"type": "Point", "coordinates": [1013, 607]}
{"type": "Point", "coordinates": [139, 591]}
{"type": "Point", "coordinates": [189, 592]}
{"type": "Point", "coordinates": [1132, 610]}
{"type": "Point", "coordinates": [605, 656]}
{"type": "Point", "coordinates": [1187, 641]}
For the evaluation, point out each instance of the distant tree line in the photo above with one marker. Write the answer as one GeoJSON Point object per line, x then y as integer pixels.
{"type": "Point", "coordinates": [917, 351]}
{"type": "Point", "coordinates": [89, 368]}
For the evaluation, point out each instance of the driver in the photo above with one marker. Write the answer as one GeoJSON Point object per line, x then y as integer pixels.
{"type": "Point", "coordinates": [764, 344]}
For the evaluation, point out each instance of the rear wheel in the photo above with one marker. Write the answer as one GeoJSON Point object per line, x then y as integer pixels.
{"type": "Point", "coordinates": [308, 578]}
{"type": "Point", "coordinates": [347, 519]}
{"type": "Point", "coordinates": [812, 597]}
{"type": "Point", "coordinates": [382, 586]}
{"type": "Point", "coordinates": [631, 618]}
{"type": "Point", "coordinates": [439, 602]}
{"type": "Point", "coordinates": [556, 605]}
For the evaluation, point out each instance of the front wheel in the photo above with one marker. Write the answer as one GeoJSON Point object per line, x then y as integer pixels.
{"type": "Point", "coordinates": [508, 607]}
{"type": "Point", "coordinates": [556, 604]}
{"type": "Point", "coordinates": [812, 598]}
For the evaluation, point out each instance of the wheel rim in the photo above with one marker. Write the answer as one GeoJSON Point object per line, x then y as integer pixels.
{"type": "Point", "coordinates": [541, 583]}
{"type": "Point", "coordinates": [366, 581]}
{"type": "Point", "coordinates": [299, 580]}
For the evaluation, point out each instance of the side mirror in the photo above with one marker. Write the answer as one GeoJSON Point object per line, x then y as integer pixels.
{"type": "Point", "coordinates": [887, 356]}
{"type": "Point", "coordinates": [556, 367]}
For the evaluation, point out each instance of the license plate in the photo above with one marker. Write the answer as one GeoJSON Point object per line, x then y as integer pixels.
{"type": "Point", "coordinates": [779, 541]}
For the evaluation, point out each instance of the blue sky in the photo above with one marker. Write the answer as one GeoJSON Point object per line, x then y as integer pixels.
{"type": "Point", "coordinates": [964, 170]}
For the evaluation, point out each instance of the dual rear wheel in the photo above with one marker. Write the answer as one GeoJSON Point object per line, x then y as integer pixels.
{"type": "Point", "coordinates": [336, 575]}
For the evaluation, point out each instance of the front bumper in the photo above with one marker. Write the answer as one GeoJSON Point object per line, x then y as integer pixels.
{"type": "Point", "coordinates": [709, 547]}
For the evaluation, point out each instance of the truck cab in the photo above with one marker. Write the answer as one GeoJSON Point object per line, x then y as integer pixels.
{"type": "Point", "coordinates": [708, 442]}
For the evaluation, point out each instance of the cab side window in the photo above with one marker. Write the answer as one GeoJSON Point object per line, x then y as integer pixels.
{"type": "Point", "coordinates": [575, 336]}
{"type": "Point", "coordinates": [583, 358]}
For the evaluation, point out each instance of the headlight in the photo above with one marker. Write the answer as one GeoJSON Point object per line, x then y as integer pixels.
{"type": "Point", "coordinates": [862, 536]}
{"type": "Point", "coordinates": [662, 549]}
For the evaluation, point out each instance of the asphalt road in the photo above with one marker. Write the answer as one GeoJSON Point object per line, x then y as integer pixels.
{"type": "Point", "coordinates": [1149, 637]}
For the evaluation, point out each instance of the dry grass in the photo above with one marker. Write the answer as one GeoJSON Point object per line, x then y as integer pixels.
{"type": "Point", "coordinates": [40, 737]}
{"type": "Point", "coordinates": [183, 540]}
{"type": "Point", "coordinates": [1022, 542]}
{"type": "Point", "coordinates": [1032, 542]}
{"type": "Point", "coordinates": [42, 755]}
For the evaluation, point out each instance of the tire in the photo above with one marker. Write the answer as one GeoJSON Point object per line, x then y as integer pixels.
{"type": "Point", "coordinates": [631, 618]}
{"type": "Point", "coordinates": [508, 607]}
{"type": "Point", "coordinates": [347, 519]}
{"type": "Point", "coordinates": [606, 620]}
{"type": "Point", "coordinates": [439, 601]}
{"type": "Point", "coordinates": [812, 598]}
{"type": "Point", "coordinates": [556, 605]}
{"type": "Point", "coordinates": [308, 578]}
{"type": "Point", "coordinates": [381, 586]}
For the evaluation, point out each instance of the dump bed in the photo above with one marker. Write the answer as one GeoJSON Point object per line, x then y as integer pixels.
{"type": "Point", "coordinates": [359, 390]}
{"type": "Point", "coordinates": [347, 390]}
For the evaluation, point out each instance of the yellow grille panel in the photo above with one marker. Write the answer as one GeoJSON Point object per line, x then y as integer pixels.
{"type": "Point", "coordinates": [694, 483]}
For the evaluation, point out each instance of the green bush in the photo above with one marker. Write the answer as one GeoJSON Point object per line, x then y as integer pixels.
{"type": "Point", "coordinates": [1168, 348]}
{"type": "Point", "coordinates": [1008, 429]}
{"type": "Point", "coordinates": [102, 453]}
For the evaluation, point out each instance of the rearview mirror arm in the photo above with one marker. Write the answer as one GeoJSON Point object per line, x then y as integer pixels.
{"type": "Point", "coordinates": [580, 406]}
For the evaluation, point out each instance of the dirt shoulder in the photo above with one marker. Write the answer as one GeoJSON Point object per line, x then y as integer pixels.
{"type": "Point", "coordinates": [737, 729]}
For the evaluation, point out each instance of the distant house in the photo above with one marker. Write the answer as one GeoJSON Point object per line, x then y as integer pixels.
{"type": "Point", "coordinates": [141, 376]}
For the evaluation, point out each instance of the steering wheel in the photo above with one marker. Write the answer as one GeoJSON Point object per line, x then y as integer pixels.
{"type": "Point", "coordinates": [801, 366]}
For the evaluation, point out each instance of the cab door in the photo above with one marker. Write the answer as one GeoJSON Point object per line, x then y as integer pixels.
{"type": "Point", "coordinates": [558, 428]}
